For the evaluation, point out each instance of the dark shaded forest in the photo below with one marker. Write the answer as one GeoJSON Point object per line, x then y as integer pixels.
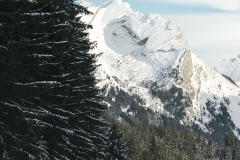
{"type": "Point", "coordinates": [151, 142]}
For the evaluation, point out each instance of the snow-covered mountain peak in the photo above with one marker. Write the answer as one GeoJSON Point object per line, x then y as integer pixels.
{"type": "Point", "coordinates": [138, 48]}
{"type": "Point", "coordinates": [132, 38]}
{"type": "Point", "coordinates": [149, 40]}
{"type": "Point", "coordinates": [147, 58]}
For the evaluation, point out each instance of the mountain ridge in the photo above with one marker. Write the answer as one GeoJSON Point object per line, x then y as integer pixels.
{"type": "Point", "coordinates": [229, 67]}
{"type": "Point", "coordinates": [153, 67]}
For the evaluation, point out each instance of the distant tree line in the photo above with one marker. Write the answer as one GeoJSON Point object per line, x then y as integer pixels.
{"type": "Point", "coordinates": [151, 142]}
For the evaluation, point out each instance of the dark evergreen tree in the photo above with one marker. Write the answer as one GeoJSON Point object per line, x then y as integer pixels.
{"type": "Point", "coordinates": [153, 148]}
{"type": "Point", "coordinates": [15, 140]}
{"type": "Point", "coordinates": [49, 102]}
{"type": "Point", "coordinates": [117, 145]}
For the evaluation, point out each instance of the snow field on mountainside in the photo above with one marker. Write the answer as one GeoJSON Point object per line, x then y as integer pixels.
{"type": "Point", "coordinates": [229, 67]}
{"type": "Point", "coordinates": [139, 50]}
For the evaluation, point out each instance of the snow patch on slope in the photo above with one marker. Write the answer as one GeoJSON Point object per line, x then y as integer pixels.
{"type": "Point", "coordinates": [229, 67]}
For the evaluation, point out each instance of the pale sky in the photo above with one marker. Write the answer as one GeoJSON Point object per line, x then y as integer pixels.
{"type": "Point", "coordinates": [212, 27]}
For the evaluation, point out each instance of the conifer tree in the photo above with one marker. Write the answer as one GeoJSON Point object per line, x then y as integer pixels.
{"type": "Point", "coordinates": [49, 104]}
{"type": "Point", "coordinates": [153, 148]}
{"type": "Point", "coordinates": [116, 143]}
{"type": "Point", "coordinates": [15, 141]}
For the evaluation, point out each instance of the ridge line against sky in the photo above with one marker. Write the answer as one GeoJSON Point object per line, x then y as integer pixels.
{"type": "Point", "coordinates": [210, 26]}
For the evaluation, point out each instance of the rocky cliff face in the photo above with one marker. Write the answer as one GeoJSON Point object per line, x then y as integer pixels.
{"type": "Point", "coordinates": [150, 75]}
